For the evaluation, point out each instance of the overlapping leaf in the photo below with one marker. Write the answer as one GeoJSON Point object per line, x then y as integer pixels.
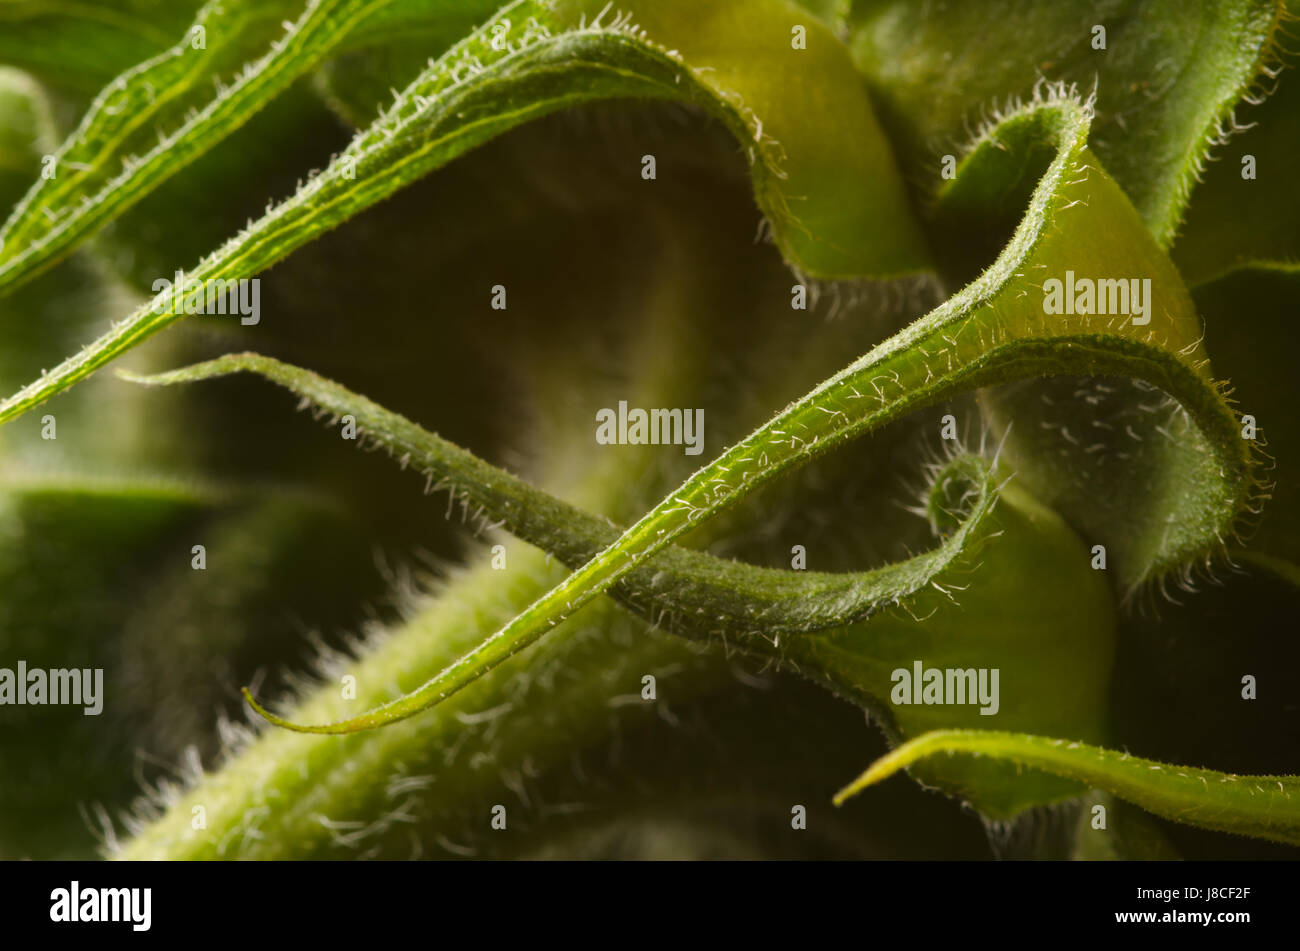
{"type": "Point", "coordinates": [993, 331]}
{"type": "Point", "coordinates": [1171, 498]}
{"type": "Point", "coordinates": [531, 60]}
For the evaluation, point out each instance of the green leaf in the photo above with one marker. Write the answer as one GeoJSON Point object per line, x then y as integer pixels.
{"type": "Point", "coordinates": [993, 331]}
{"type": "Point", "coordinates": [1114, 456]}
{"type": "Point", "coordinates": [1166, 83]}
{"type": "Point", "coordinates": [1241, 252]}
{"type": "Point", "coordinates": [200, 90]}
{"type": "Point", "coordinates": [987, 556]}
{"type": "Point", "coordinates": [686, 591]}
{"type": "Point", "coordinates": [82, 46]}
{"type": "Point", "coordinates": [195, 209]}
{"type": "Point", "coordinates": [1122, 434]}
{"type": "Point", "coordinates": [1234, 220]}
{"type": "Point", "coordinates": [288, 795]}
{"type": "Point", "coordinates": [1212, 679]}
{"type": "Point", "coordinates": [1128, 833]}
{"type": "Point", "coordinates": [97, 574]}
{"type": "Point", "coordinates": [390, 50]}
{"type": "Point", "coordinates": [1248, 312]}
{"type": "Point", "coordinates": [834, 203]}
{"type": "Point", "coordinates": [1266, 807]}
{"type": "Point", "coordinates": [1021, 600]}
{"type": "Point", "coordinates": [1123, 462]}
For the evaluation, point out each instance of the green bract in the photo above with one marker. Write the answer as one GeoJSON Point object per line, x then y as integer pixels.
{"type": "Point", "coordinates": [1060, 306]}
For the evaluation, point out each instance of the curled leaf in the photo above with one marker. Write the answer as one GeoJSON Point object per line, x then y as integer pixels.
{"type": "Point", "coordinates": [849, 631]}
{"type": "Point", "coordinates": [687, 591]}
{"type": "Point", "coordinates": [996, 330]}
{"type": "Point", "coordinates": [1266, 807]}
{"type": "Point", "coordinates": [826, 200]}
